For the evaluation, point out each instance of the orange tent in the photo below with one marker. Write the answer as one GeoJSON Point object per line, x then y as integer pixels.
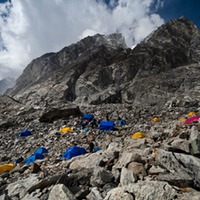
{"type": "Point", "coordinates": [155, 119]}
{"type": "Point", "coordinates": [138, 135]}
{"type": "Point", "coordinates": [6, 167]}
{"type": "Point", "coordinates": [66, 130]}
{"type": "Point", "coordinates": [182, 119]}
{"type": "Point", "coordinates": [191, 114]}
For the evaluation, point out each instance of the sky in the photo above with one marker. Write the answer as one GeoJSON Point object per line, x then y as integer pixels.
{"type": "Point", "coordinates": [31, 28]}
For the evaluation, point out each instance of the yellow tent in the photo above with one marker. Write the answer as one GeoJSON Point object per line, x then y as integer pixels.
{"type": "Point", "coordinates": [66, 130]}
{"type": "Point", "coordinates": [191, 114]}
{"type": "Point", "coordinates": [138, 135]}
{"type": "Point", "coordinates": [155, 119]}
{"type": "Point", "coordinates": [6, 167]}
{"type": "Point", "coordinates": [182, 119]}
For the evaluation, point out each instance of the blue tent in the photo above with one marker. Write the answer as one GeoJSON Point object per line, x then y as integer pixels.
{"type": "Point", "coordinates": [38, 154]}
{"type": "Point", "coordinates": [41, 150]}
{"type": "Point", "coordinates": [25, 133]}
{"type": "Point", "coordinates": [121, 122]}
{"type": "Point", "coordinates": [106, 125]}
{"type": "Point", "coordinates": [88, 117]}
{"type": "Point", "coordinates": [33, 157]}
{"type": "Point", "coordinates": [96, 149]}
{"type": "Point", "coordinates": [73, 151]}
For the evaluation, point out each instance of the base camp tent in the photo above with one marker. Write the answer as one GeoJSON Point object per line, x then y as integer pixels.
{"type": "Point", "coordinates": [6, 167]}
{"type": "Point", "coordinates": [106, 125]}
{"type": "Point", "coordinates": [38, 154]}
{"type": "Point", "coordinates": [138, 135]}
{"type": "Point", "coordinates": [192, 119]}
{"type": "Point", "coordinates": [88, 117]}
{"type": "Point", "coordinates": [73, 151]}
{"type": "Point", "coordinates": [25, 133]}
{"type": "Point", "coordinates": [66, 130]}
{"type": "Point", "coordinates": [41, 150]}
{"type": "Point", "coordinates": [33, 157]}
{"type": "Point", "coordinates": [121, 122]}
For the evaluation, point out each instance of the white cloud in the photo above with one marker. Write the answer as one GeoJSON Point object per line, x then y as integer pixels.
{"type": "Point", "coordinates": [37, 27]}
{"type": "Point", "coordinates": [87, 32]}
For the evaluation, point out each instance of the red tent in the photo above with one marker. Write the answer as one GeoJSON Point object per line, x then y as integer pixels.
{"type": "Point", "coordinates": [192, 119]}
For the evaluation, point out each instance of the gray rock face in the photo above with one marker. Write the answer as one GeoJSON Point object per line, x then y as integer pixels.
{"type": "Point", "coordinates": [55, 65]}
{"type": "Point", "coordinates": [101, 69]}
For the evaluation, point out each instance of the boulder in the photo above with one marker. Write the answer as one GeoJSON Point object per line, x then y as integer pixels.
{"type": "Point", "coordinates": [94, 194]}
{"type": "Point", "coordinates": [127, 177]}
{"type": "Point", "coordinates": [184, 169]}
{"type": "Point", "coordinates": [148, 190]}
{"type": "Point", "coordinates": [21, 187]}
{"type": "Point", "coordinates": [53, 114]}
{"type": "Point", "coordinates": [100, 177]}
{"type": "Point", "coordinates": [61, 192]}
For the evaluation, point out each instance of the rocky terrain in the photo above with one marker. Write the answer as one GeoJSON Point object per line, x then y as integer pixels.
{"type": "Point", "coordinates": [159, 78]}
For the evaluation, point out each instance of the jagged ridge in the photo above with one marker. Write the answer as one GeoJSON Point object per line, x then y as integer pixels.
{"type": "Point", "coordinates": [101, 69]}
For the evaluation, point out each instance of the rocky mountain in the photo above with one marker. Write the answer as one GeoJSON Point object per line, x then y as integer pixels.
{"type": "Point", "coordinates": [153, 88]}
{"type": "Point", "coordinates": [101, 69]}
{"type": "Point", "coordinates": [6, 83]}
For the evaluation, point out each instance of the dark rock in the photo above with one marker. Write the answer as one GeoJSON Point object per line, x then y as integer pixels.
{"type": "Point", "coordinates": [83, 192]}
{"type": "Point", "coordinates": [59, 113]}
{"type": "Point", "coordinates": [184, 135]}
{"type": "Point", "coordinates": [35, 168]}
{"type": "Point", "coordinates": [5, 174]}
{"type": "Point", "coordinates": [4, 158]}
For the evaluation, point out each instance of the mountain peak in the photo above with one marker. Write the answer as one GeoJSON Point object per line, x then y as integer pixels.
{"type": "Point", "coordinates": [173, 29]}
{"type": "Point", "coordinates": [101, 69]}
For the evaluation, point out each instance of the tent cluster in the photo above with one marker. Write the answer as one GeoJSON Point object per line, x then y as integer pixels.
{"type": "Point", "coordinates": [40, 153]}
{"type": "Point", "coordinates": [139, 135]}
{"type": "Point", "coordinates": [104, 125]}
{"type": "Point", "coordinates": [87, 119]}
{"type": "Point", "coordinates": [190, 118]}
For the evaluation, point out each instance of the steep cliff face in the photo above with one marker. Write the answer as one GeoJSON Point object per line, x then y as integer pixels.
{"type": "Point", "coordinates": [101, 69]}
